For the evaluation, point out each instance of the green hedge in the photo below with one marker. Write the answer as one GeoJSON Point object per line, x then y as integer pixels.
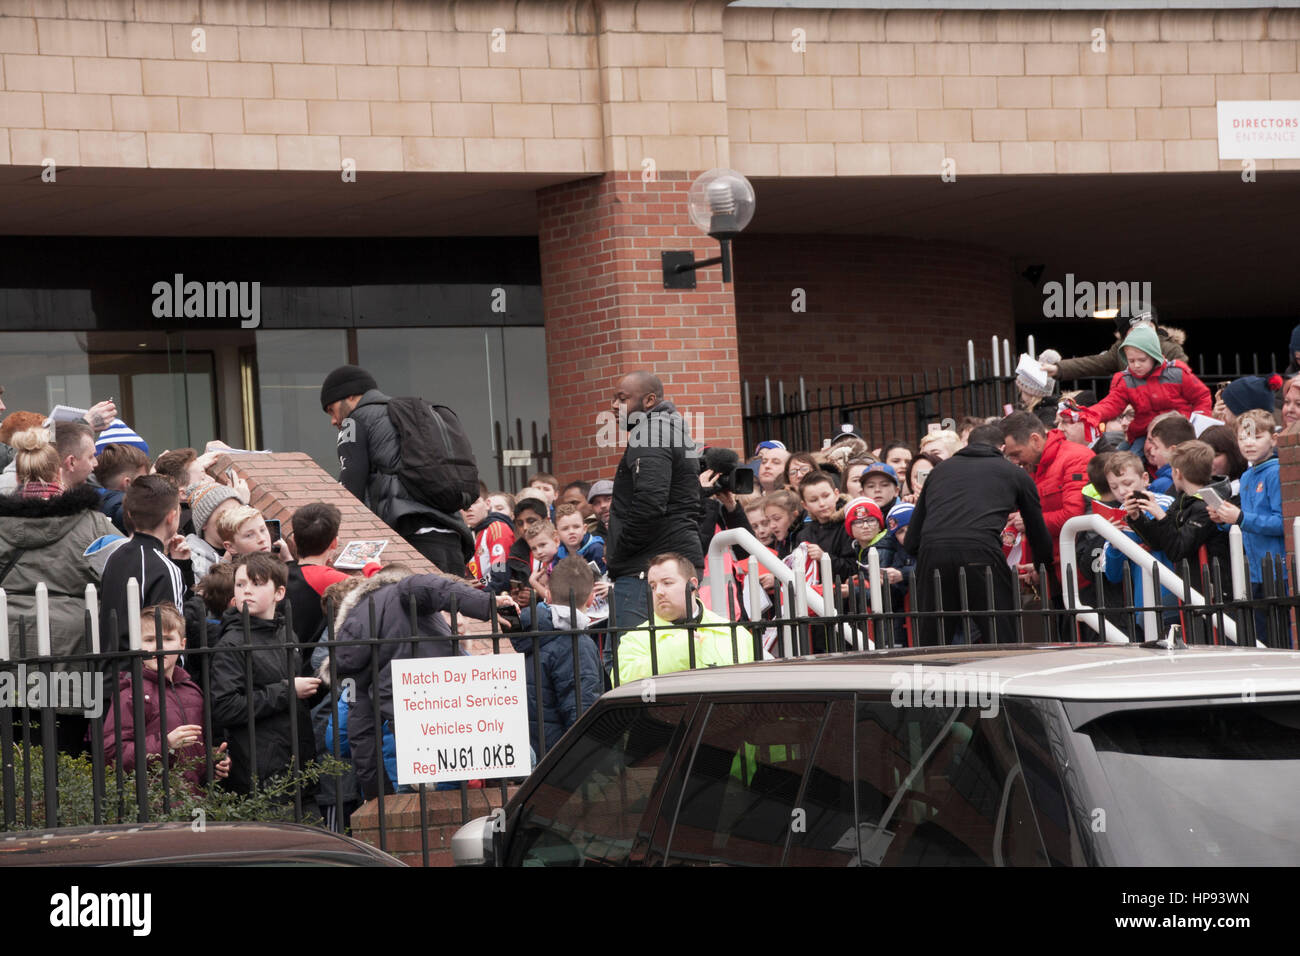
{"type": "Point", "coordinates": [273, 799]}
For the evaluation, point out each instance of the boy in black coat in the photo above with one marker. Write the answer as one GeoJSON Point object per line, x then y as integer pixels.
{"type": "Point", "coordinates": [825, 532]}
{"type": "Point", "coordinates": [1187, 527]}
{"type": "Point", "coordinates": [264, 746]}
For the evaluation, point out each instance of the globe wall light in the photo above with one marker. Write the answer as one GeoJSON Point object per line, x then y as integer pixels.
{"type": "Point", "coordinates": [721, 204]}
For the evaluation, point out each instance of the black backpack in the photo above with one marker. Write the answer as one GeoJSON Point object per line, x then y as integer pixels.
{"type": "Point", "coordinates": [436, 463]}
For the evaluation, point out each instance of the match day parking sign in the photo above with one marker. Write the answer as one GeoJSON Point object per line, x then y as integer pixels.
{"type": "Point", "coordinates": [460, 718]}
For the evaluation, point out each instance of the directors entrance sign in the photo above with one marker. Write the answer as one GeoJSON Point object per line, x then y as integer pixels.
{"type": "Point", "coordinates": [460, 718]}
{"type": "Point", "coordinates": [1259, 129]}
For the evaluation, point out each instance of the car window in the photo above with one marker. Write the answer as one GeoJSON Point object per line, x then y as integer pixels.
{"type": "Point", "coordinates": [825, 834]}
{"type": "Point", "coordinates": [941, 786]}
{"type": "Point", "coordinates": [1040, 760]}
{"type": "Point", "coordinates": [745, 778]}
{"type": "Point", "coordinates": [1203, 785]}
{"type": "Point", "coordinates": [600, 795]}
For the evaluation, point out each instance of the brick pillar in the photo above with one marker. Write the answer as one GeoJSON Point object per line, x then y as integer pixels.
{"type": "Point", "coordinates": [608, 314]}
{"type": "Point", "coordinates": [1288, 453]}
{"type": "Point", "coordinates": [443, 814]}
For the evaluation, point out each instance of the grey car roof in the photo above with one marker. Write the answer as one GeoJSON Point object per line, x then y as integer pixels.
{"type": "Point", "coordinates": [1065, 672]}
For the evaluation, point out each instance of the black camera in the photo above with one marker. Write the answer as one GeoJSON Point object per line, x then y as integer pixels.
{"type": "Point", "coordinates": [733, 477]}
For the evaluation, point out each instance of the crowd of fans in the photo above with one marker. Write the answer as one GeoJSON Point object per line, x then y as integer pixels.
{"type": "Point", "coordinates": [84, 502]}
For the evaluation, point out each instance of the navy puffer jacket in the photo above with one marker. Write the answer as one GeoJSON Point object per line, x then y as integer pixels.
{"type": "Point", "coordinates": [558, 674]}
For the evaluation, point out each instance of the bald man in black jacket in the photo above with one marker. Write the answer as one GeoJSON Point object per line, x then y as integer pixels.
{"type": "Point", "coordinates": [958, 524]}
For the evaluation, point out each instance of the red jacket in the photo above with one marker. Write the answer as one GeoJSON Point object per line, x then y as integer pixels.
{"type": "Point", "coordinates": [1060, 477]}
{"type": "Point", "coordinates": [1169, 387]}
{"type": "Point", "coordinates": [184, 706]}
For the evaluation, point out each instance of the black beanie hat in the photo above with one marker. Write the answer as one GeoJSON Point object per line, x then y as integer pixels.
{"type": "Point", "coordinates": [1251, 391]}
{"type": "Point", "coordinates": [344, 381]}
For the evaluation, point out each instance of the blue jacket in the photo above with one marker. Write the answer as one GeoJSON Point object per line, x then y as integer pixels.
{"type": "Point", "coordinates": [345, 748]}
{"type": "Point", "coordinates": [1261, 515]}
{"type": "Point", "coordinates": [592, 548]}
{"type": "Point", "coordinates": [1163, 482]}
{"type": "Point", "coordinates": [1115, 559]}
{"type": "Point", "coordinates": [558, 678]}
{"type": "Point", "coordinates": [110, 504]}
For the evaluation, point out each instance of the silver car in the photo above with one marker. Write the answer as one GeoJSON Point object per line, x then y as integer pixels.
{"type": "Point", "coordinates": [1078, 755]}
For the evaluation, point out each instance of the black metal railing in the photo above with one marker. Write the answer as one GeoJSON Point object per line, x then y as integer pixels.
{"type": "Point", "coordinates": [901, 407]}
{"type": "Point", "coordinates": [37, 784]}
{"type": "Point", "coordinates": [1213, 369]}
{"type": "Point", "coordinates": [885, 409]}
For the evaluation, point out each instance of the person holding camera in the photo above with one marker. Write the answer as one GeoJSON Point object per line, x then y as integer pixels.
{"type": "Point", "coordinates": [722, 479]}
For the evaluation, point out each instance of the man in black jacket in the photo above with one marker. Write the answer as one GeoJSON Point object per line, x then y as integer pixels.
{"type": "Point", "coordinates": [958, 524]}
{"type": "Point", "coordinates": [656, 503]}
{"type": "Point", "coordinates": [369, 452]}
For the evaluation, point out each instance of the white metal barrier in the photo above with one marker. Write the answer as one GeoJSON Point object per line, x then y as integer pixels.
{"type": "Point", "coordinates": [1163, 576]}
{"type": "Point", "coordinates": [805, 598]}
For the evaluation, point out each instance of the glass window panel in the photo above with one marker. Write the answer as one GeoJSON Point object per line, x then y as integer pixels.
{"type": "Point", "coordinates": [163, 394]}
{"type": "Point", "coordinates": [739, 799]}
{"type": "Point", "coordinates": [825, 834]}
{"type": "Point", "coordinates": [527, 398]}
{"type": "Point", "coordinates": [594, 803]}
{"type": "Point", "coordinates": [291, 364]}
{"type": "Point", "coordinates": [457, 367]}
{"type": "Point", "coordinates": [941, 787]}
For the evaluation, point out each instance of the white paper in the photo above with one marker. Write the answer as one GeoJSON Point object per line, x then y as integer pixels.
{"type": "Point", "coordinates": [66, 413]}
{"type": "Point", "coordinates": [765, 602]}
{"type": "Point", "coordinates": [1031, 370]}
{"type": "Point", "coordinates": [1201, 422]}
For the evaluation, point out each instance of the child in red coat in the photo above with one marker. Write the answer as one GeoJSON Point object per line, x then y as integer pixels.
{"type": "Point", "coordinates": [1152, 385]}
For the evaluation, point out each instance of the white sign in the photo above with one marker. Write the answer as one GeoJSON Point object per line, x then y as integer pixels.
{"type": "Point", "coordinates": [1259, 129]}
{"type": "Point", "coordinates": [516, 457]}
{"type": "Point", "coordinates": [460, 718]}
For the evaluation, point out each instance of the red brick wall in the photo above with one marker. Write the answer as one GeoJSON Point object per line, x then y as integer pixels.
{"type": "Point", "coordinates": [1288, 451]}
{"type": "Point", "coordinates": [282, 482]}
{"type": "Point", "coordinates": [876, 308]}
{"type": "Point", "coordinates": [402, 822]}
{"type": "Point", "coordinates": [608, 314]}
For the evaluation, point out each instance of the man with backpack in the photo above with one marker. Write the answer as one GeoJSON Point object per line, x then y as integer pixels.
{"type": "Point", "coordinates": [409, 461]}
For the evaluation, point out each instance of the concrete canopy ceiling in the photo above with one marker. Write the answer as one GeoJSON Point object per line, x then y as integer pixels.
{"type": "Point", "coordinates": [1210, 244]}
{"type": "Point", "coordinates": [167, 202]}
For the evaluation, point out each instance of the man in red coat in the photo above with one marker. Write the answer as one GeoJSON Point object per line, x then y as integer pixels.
{"type": "Point", "coordinates": [1058, 466]}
